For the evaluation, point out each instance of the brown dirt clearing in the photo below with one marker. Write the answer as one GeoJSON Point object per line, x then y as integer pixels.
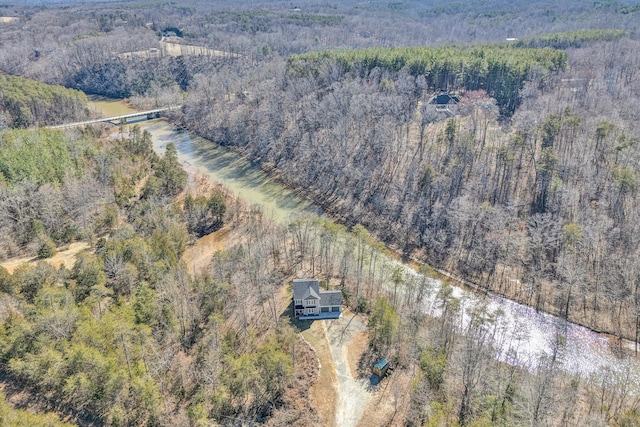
{"type": "Point", "coordinates": [65, 257]}
{"type": "Point", "coordinates": [323, 392]}
{"type": "Point", "coordinates": [198, 256]}
{"type": "Point", "coordinates": [356, 348]}
{"type": "Point", "coordinates": [389, 401]}
{"type": "Point", "coordinates": [353, 394]}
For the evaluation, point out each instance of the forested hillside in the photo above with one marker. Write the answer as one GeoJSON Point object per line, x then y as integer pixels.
{"type": "Point", "coordinates": [115, 50]}
{"type": "Point", "coordinates": [20, 418]}
{"type": "Point", "coordinates": [540, 206]}
{"type": "Point", "coordinates": [528, 188]}
{"type": "Point", "coordinates": [47, 194]}
{"type": "Point", "coordinates": [126, 335]}
{"type": "Point", "coordinates": [25, 103]}
{"type": "Point", "coordinates": [500, 71]}
{"type": "Point", "coordinates": [578, 38]}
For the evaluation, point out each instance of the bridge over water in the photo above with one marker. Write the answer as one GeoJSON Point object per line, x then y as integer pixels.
{"type": "Point", "coordinates": [122, 119]}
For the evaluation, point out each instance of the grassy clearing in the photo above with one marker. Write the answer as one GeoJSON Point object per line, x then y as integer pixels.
{"type": "Point", "coordinates": [324, 390]}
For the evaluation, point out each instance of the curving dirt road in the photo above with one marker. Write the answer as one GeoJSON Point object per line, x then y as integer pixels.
{"type": "Point", "coordinates": [352, 394]}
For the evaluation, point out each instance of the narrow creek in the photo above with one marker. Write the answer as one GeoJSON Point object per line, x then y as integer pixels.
{"type": "Point", "coordinates": [524, 331]}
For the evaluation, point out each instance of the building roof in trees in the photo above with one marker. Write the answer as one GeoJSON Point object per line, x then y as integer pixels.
{"type": "Point", "coordinates": [311, 293]}
{"type": "Point", "coordinates": [305, 288]}
{"type": "Point", "coordinates": [330, 298]}
{"type": "Point", "coordinates": [302, 288]}
{"type": "Point", "coordinates": [444, 99]}
{"type": "Point", "coordinates": [382, 363]}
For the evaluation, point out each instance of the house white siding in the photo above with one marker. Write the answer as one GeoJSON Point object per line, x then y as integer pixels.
{"type": "Point", "coordinates": [309, 300]}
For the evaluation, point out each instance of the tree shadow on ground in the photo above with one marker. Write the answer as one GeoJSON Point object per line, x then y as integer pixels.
{"type": "Point", "coordinates": [365, 368]}
{"type": "Point", "coordinates": [374, 380]}
{"type": "Point", "coordinates": [300, 325]}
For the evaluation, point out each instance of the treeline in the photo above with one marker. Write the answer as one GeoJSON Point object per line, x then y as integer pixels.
{"type": "Point", "coordinates": [264, 20]}
{"type": "Point", "coordinates": [620, 8]}
{"type": "Point", "coordinates": [572, 39]}
{"type": "Point", "coordinates": [85, 46]}
{"type": "Point", "coordinates": [49, 190]}
{"type": "Point", "coordinates": [123, 78]}
{"type": "Point", "coordinates": [44, 156]}
{"type": "Point", "coordinates": [56, 188]}
{"type": "Point", "coordinates": [501, 71]}
{"type": "Point", "coordinates": [25, 103]}
{"type": "Point", "coordinates": [469, 376]}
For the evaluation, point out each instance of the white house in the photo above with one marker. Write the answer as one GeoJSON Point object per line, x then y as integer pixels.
{"type": "Point", "coordinates": [309, 302]}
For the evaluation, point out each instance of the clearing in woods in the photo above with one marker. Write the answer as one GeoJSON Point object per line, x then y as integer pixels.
{"type": "Point", "coordinates": [343, 395]}
{"type": "Point", "coordinates": [65, 257]}
{"type": "Point", "coordinates": [198, 256]}
{"type": "Point", "coordinates": [339, 395]}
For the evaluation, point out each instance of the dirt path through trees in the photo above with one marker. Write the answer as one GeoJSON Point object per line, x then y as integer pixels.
{"type": "Point", "coordinates": [352, 392]}
{"type": "Point", "coordinates": [324, 390]}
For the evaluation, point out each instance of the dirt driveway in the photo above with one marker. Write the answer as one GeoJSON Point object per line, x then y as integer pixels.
{"type": "Point", "coordinates": [352, 394]}
{"type": "Point", "coordinates": [338, 394]}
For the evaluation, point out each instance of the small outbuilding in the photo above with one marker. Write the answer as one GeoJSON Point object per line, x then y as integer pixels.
{"type": "Point", "coordinates": [381, 368]}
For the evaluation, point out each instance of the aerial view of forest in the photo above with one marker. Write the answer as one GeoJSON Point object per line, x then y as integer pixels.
{"type": "Point", "coordinates": [462, 176]}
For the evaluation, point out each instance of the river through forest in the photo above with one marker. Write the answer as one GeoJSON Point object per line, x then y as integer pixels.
{"type": "Point", "coordinates": [237, 174]}
{"type": "Point", "coordinates": [523, 335]}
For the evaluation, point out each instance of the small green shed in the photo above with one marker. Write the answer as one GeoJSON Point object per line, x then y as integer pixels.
{"type": "Point", "coordinates": [381, 368]}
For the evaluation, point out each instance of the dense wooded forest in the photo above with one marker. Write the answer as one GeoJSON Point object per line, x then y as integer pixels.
{"type": "Point", "coordinates": [125, 335]}
{"type": "Point", "coordinates": [25, 103]}
{"type": "Point", "coordinates": [528, 188]}
{"type": "Point", "coordinates": [14, 417]}
{"type": "Point", "coordinates": [128, 336]}
{"type": "Point", "coordinates": [500, 71]}
{"type": "Point", "coordinates": [539, 206]}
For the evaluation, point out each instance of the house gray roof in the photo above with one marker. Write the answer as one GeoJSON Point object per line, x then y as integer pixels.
{"type": "Point", "coordinates": [311, 293]}
{"type": "Point", "coordinates": [304, 288]}
{"type": "Point", "coordinates": [301, 288]}
{"type": "Point", "coordinates": [444, 99]}
{"type": "Point", "coordinates": [330, 298]}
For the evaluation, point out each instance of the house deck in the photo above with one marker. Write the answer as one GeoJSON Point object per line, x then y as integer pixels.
{"type": "Point", "coordinates": [321, 316]}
